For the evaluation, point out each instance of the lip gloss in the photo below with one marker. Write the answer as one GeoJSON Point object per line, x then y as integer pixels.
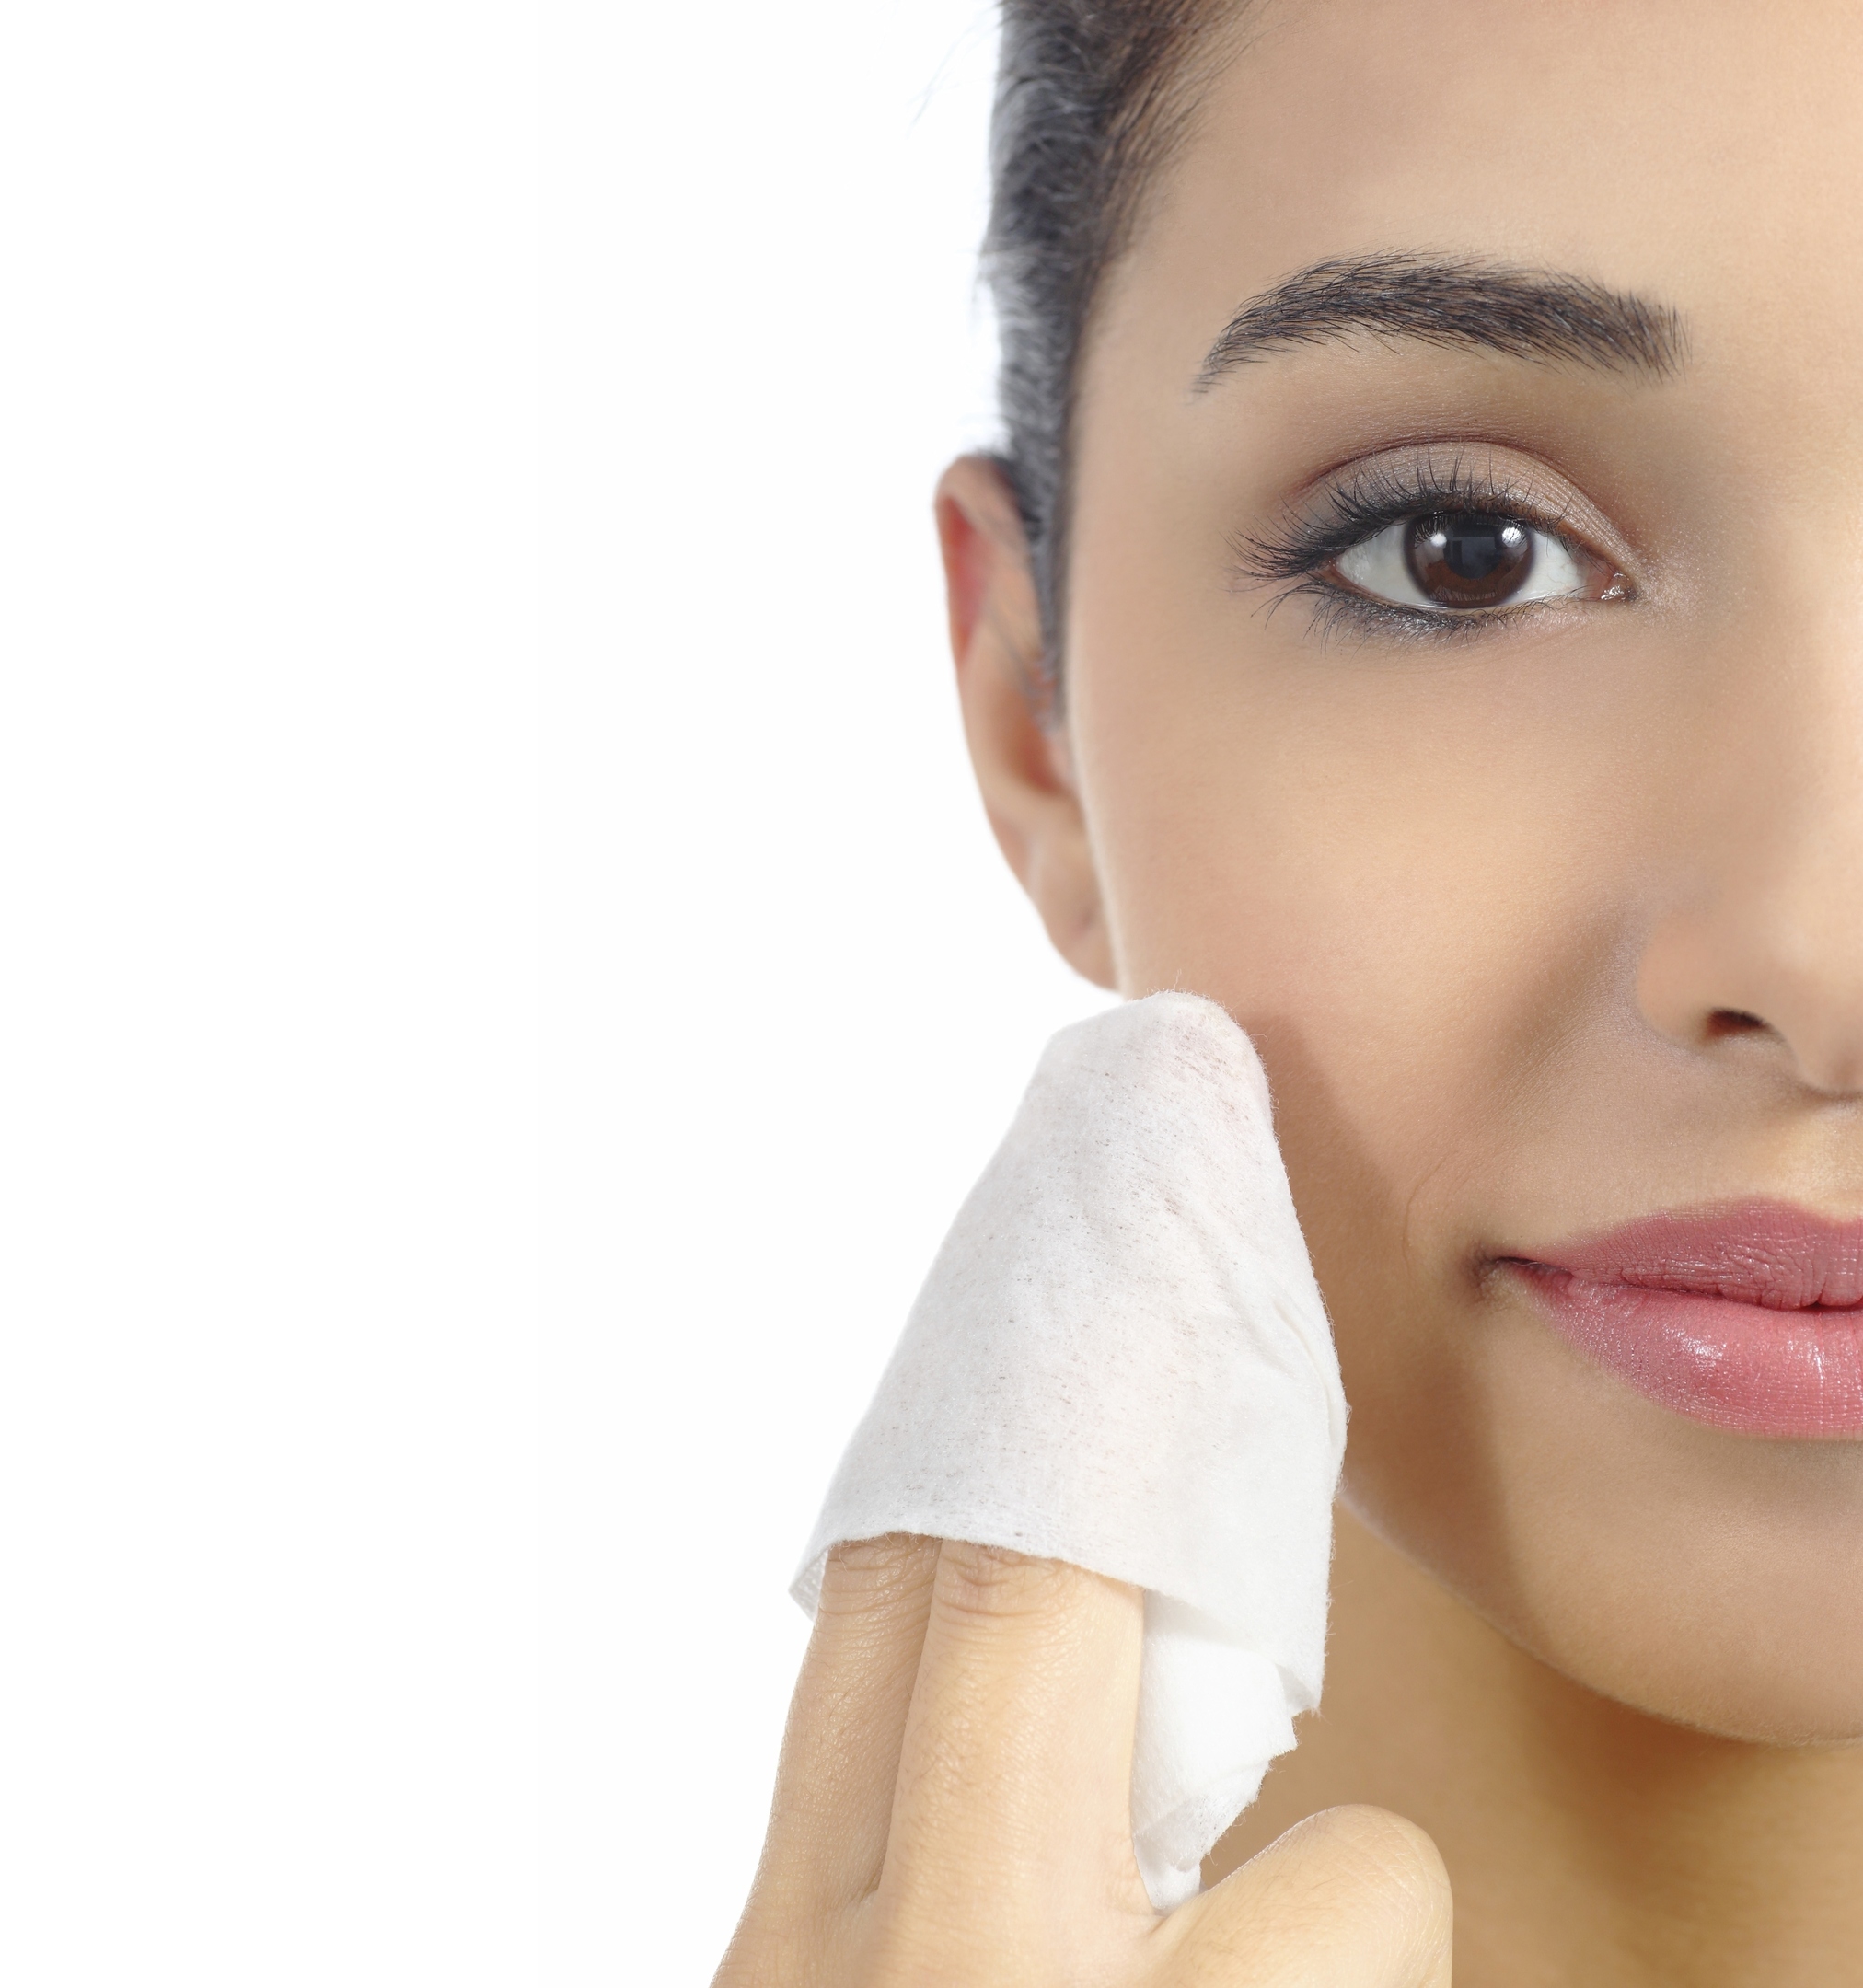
{"type": "Point", "coordinates": [1748, 1317]}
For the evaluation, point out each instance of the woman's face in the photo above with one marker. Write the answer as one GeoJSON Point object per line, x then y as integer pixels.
{"type": "Point", "coordinates": [1546, 917]}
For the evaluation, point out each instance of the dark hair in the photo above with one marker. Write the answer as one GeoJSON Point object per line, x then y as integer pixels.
{"type": "Point", "coordinates": [1092, 98]}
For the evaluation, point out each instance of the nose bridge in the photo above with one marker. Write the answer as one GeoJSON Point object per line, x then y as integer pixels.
{"type": "Point", "coordinates": [1765, 938]}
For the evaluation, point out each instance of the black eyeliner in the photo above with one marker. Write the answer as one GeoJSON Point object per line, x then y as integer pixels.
{"type": "Point", "coordinates": [1371, 499]}
{"type": "Point", "coordinates": [1304, 544]}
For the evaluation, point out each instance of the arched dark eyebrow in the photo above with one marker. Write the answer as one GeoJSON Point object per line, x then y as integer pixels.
{"type": "Point", "coordinates": [1539, 315]}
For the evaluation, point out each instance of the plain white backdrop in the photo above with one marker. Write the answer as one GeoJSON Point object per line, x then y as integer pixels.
{"type": "Point", "coordinates": [331, 1644]}
{"type": "Point", "coordinates": [794, 994]}
{"type": "Point", "coordinates": [266, 1119]}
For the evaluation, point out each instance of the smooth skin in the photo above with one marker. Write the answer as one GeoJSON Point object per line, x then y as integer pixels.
{"type": "Point", "coordinates": [1537, 932]}
{"type": "Point", "coordinates": [954, 1807]}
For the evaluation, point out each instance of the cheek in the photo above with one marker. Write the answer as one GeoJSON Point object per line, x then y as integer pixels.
{"type": "Point", "coordinates": [1377, 869]}
{"type": "Point", "coordinates": [1392, 912]}
{"type": "Point", "coordinates": [1422, 897]}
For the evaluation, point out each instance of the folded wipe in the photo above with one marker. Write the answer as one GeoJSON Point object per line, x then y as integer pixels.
{"type": "Point", "coordinates": [1122, 1358]}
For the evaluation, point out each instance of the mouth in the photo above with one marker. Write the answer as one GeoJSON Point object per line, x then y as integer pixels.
{"type": "Point", "coordinates": [1747, 1318]}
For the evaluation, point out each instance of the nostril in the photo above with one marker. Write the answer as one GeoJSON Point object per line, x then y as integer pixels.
{"type": "Point", "coordinates": [1832, 1069]}
{"type": "Point", "coordinates": [1726, 1022]}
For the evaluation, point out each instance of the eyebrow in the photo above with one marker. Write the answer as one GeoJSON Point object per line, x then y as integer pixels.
{"type": "Point", "coordinates": [1537, 315]}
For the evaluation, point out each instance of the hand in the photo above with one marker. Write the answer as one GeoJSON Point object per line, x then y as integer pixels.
{"type": "Point", "coordinates": [953, 1807]}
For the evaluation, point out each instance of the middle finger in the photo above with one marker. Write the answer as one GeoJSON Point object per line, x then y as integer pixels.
{"type": "Point", "coordinates": [1015, 1771]}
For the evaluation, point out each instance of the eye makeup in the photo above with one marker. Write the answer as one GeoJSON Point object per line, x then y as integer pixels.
{"type": "Point", "coordinates": [1427, 545]}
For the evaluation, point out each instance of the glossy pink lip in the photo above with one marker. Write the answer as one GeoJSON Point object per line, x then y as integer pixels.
{"type": "Point", "coordinates": [1749, 1317]}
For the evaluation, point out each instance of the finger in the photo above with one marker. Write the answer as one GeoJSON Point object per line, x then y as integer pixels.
{"type": "Point", "coordinates": [1353, 1898]}
{"type": "Point", "coordinates": [840, 1748]}
{"type": "Point", "coordinates": [1014, 1785]}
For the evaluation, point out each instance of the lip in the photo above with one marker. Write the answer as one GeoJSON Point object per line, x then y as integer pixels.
{"type": "Point", "coordinates": [1746, 1317]}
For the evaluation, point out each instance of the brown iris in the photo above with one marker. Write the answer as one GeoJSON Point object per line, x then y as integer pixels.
{"type": "Point", "coordinates": [1463, 559]}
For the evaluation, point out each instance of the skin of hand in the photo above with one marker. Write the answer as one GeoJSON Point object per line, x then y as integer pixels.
{"type": "Point", "coordinates": [1539, 929]}
{"type": "Point", "coordinates": [952, 1806]}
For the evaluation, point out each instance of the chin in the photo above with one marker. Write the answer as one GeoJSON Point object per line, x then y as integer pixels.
{"type": "Point", "coordinates": [1710, 1577]}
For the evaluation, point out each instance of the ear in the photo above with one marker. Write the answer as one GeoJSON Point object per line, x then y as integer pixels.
{"type": "Point", "coordinates": [1020, 755]}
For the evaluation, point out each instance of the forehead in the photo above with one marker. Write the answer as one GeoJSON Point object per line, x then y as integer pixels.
{"type": "Point", "coordinates": [1706, 151]}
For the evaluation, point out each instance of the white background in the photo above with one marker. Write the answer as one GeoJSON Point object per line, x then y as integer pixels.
{"type": "Point", "coordinates": [794, 993]}
{"type": "Point", "coordinates": [275, 1706]}
{"type": "Point", "coordinates": [266, 1083]}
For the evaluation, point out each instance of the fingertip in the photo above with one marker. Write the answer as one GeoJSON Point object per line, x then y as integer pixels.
{"type": "Point", "coordinates": [1405, 1886]}
{"type": "Point", "coordinates": [1356, 1888]}
{"type": "Point", "coordinates": [1395, 1862]}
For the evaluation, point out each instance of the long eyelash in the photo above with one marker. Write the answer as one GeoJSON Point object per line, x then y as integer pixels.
{"type": "Point", "coordinates": [1302, 544]}
{"type": "Point", "coordinates": [1305, 544]}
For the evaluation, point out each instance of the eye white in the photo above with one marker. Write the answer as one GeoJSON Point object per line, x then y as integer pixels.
{"type": "Point", "coordinates": [1377, 565]}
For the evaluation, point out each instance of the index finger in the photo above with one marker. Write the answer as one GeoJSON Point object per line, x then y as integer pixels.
{"type": "Point", "coordinates": [840, 1748]}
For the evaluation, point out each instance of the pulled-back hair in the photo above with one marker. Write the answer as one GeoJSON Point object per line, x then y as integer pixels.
{"type": "Point", "coordinates": [1092, 98]}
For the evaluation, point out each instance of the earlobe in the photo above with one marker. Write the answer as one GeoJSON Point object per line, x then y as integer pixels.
{"type": "Point", "coordinates": [1019, 753]}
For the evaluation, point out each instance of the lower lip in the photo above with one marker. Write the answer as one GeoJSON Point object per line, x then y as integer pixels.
{"type": "Point", "coordinates": [1765, 1372]}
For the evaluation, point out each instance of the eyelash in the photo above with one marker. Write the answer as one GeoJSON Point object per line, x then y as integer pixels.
{"type": "Point", "coordinates": [1302, 549]}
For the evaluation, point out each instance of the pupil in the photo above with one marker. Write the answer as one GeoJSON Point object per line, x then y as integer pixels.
{"type": "Point", "coordinates": [1472, 548]}
{"type": "Point", "coordinates": [1469, 560]}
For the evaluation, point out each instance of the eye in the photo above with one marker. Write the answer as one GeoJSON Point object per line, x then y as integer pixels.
{"type": "Point", "coordinates": [1453, 561]}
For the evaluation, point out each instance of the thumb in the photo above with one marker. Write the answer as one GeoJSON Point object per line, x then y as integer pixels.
{"type": "Point", "coordinates": [1351, 1898]}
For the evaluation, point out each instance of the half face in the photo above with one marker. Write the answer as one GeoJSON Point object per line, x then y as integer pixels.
{"type": "Point", "coordinates": [1466, 687]}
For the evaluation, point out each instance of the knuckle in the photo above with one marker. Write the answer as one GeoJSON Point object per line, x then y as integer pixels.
{"type": "Point", "coordinates": [864, 1575]}
{"type": "Point", "coordinates": [994, 1582]}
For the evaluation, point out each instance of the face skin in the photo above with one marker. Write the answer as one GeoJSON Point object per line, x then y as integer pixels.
{"type": "Point", "coordinates": [1542, 928]}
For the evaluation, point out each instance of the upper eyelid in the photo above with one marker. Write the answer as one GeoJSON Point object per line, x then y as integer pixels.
{"type": "Point", "coordinates": [1374, 491]}
{"type": "Point", "coordinates": [1475, 465]}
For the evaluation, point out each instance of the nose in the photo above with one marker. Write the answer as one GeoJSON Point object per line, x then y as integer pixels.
{"type": "Point", "coordinates": [1760, 950]}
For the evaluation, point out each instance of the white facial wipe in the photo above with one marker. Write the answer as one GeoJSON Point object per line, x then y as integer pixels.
{"type": "Point", "coordinates": [1122, 1358]}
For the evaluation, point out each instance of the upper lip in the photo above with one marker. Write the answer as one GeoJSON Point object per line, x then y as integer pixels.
{"type": "Point", "coordinates": [1756, 1252]}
